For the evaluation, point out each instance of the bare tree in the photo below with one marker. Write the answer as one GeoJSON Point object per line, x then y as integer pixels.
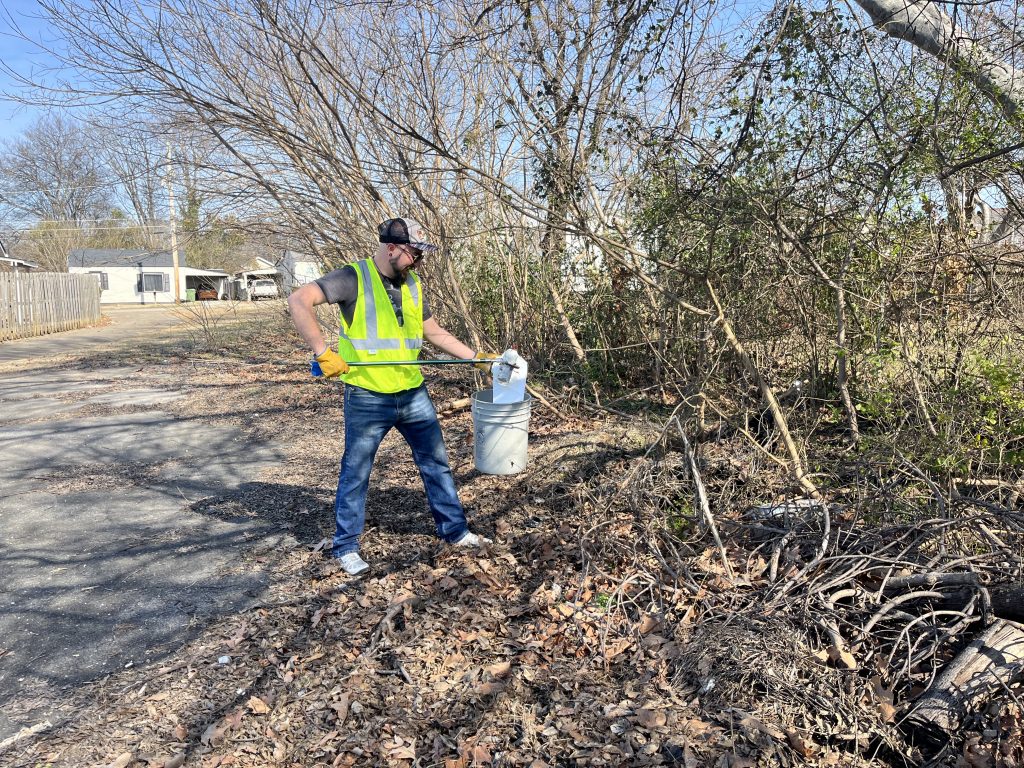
{"type": "Point", "coordinates": [53, 172]}
{"type": "Point", "coordinates": [134, 158]}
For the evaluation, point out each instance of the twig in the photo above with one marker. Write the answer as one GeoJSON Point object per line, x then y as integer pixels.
{"type": "Point", "coordinates": [881, 612]}
{"type": "Point", "coordinates": [534, 392]}
{"type": "Point", "coordinates": [702, 498]}
{"type": "Point", "coordinates": [931, 579]}
{"type": "Point", "coordinates": [918, 472]}
{"type": "Point", "coordinates": [385, 623]}
{"type": "Point", "coordinates": [24, 733]}
{"type": "Point", "coordinates": [773, 570]}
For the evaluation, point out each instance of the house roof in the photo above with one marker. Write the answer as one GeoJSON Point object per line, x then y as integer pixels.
{"type": "Point", "coordinates": [295, 257]}
{"type": "Point", "coordinates": [115, 257]}
{"type": "Point", "coordinates": [255, 273]}
{"type": "Point", "coordinates": [18, 262]}
{"type": "Point", "coordinates": [257, 263]}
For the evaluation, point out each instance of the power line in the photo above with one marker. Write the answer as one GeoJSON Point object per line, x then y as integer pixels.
{"type": "Point", "coordinates": [160, 223]}
{"type": "Point", "coordinates": [80, 230]}
{"type": "Point", "coordinates": [142, 178]}
{"type": "Point", "coordinates": [150, 177]}
{"type": "Point", "coordinates": [112, 186]}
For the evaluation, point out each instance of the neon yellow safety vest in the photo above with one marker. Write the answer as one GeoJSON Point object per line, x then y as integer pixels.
{"type": "Point", "coordinates": [374, 334]}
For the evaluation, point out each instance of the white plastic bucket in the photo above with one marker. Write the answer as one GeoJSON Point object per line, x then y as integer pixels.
{"type": "Point", "coordinates": [500, 432]}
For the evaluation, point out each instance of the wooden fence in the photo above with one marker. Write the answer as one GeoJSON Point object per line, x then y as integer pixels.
{"type": "Point", "coordinates": [32, 304]}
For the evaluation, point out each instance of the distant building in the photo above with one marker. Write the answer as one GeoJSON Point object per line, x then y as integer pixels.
{"type": "Point", "coordinates": [291, 271]}
{"type": "Point", "coordinates": [10, 264]}
{"type": "Point", "coordinates": [145, 277]}
{"type": "Point", "coordinates": [259, 268]}
{"type": "Point", "coordinates": [297, 269]}
{"type": "Point", "coordinates": [998, 225]}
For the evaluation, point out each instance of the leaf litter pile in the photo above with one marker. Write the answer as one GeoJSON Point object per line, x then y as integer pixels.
{"type": "Point", "coordinates": [603, 627]}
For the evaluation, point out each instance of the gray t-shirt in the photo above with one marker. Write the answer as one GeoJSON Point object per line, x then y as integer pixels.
{"type": "Point", "coordinates": [341, 287]}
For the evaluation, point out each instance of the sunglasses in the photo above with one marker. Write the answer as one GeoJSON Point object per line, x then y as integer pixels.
{"type": "Point", "coordinates": [416, 253]}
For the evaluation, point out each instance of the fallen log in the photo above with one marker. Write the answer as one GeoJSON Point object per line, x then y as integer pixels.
{"type": "Point", "coordinates": [929, 581]}
{"type": "Point", "coordinates": [1008, 603]}
{"type": "Point", "coordinates": [1007, 600]}
{"type": "Point", "coordinates": [993, 661]}
{"type": "Point", "coordinates": [454, 405]}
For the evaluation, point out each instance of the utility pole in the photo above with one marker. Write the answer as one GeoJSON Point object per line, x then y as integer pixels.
{"type": "Point", "coordinates": [169, 181]}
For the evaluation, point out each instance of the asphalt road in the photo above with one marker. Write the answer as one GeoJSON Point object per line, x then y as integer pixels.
{"type": "Point", "coordinates": [107, 558]}
{"type": "Point", "coordinates": [124, 323]}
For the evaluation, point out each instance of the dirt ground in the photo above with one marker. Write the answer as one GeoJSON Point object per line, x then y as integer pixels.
{"type": "Point", "coordinates": [572, 640]}
{"type": "Point", "coordinates": [450, 604]}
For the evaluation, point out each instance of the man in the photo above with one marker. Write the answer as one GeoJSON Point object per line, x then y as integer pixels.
{"type": "Point", "coordinates": [384, 316]}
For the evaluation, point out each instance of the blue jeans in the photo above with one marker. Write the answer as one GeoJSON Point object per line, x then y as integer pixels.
{"type": "Point", "coordinates": [368, 417]}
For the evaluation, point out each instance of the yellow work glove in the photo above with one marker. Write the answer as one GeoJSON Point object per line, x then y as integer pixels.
{"type": "Point", "coordinates": [331, 363]}
{"type": "Point", "coordinates": [485, 367]}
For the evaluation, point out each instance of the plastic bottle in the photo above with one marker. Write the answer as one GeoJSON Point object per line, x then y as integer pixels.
{"type": "Point", "coordinates": [510, 378]}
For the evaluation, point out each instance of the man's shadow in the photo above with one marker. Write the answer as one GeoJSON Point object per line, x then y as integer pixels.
{"type": "Point", "coordinates": [306, 514]}
{"type": "Point", "coordinates": [398, 509]}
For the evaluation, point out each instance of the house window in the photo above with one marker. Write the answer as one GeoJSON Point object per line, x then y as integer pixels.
{"type": "Point", "coordinates": [102, 278]}
{"type": "Point", "coordinates": [153, 281]}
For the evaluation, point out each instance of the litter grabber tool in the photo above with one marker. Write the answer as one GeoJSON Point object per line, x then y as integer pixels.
{"type": "Point", "coordinates": [509, 372]}
{"type": "Point", "coordinates": [314, 366]}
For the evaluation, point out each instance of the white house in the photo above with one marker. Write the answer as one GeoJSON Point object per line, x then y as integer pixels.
{"type": "Point", "coordinates": [998, 225]}
{"type": "Point", "coordinates": [291, 271]}
{"type": "Point", "coordinates": [297, 269]}
{"type": "Point", "coordinates": [144, 277]}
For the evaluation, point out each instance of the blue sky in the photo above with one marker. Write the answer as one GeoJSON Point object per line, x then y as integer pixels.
{"type": "Point", "coordinates": [22, 57]}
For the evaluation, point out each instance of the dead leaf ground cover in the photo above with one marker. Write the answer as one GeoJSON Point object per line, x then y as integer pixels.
{"type": "Point", "coordinates": [599, 629]}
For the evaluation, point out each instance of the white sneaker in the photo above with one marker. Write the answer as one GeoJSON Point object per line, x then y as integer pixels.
{"type": "Point", "coordinates": [353, 563]}
{"type": "Point", "coordinates": [472, 540]}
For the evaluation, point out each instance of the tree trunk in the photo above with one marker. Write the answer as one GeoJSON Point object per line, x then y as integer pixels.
{"type": "Point", "coordinates": [552, 247]}
{"type": "Point", "coordinates": [928, 27]}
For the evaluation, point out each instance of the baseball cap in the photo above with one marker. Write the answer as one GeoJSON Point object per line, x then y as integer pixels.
{"type": "Point", "coordinates": [405, 232]}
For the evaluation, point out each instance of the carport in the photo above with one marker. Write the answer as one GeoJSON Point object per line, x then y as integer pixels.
{"type": "Point", "coordinates": [206, 279]}
{"type": "Point", "coordinates": [241, 281]}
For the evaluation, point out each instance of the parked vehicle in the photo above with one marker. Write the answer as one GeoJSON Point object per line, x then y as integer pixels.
{"type": "Point", "coordinates": [263, 289]}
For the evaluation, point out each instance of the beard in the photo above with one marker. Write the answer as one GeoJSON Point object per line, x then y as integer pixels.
{"type": "Point", "coordinates": [400, 274]}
